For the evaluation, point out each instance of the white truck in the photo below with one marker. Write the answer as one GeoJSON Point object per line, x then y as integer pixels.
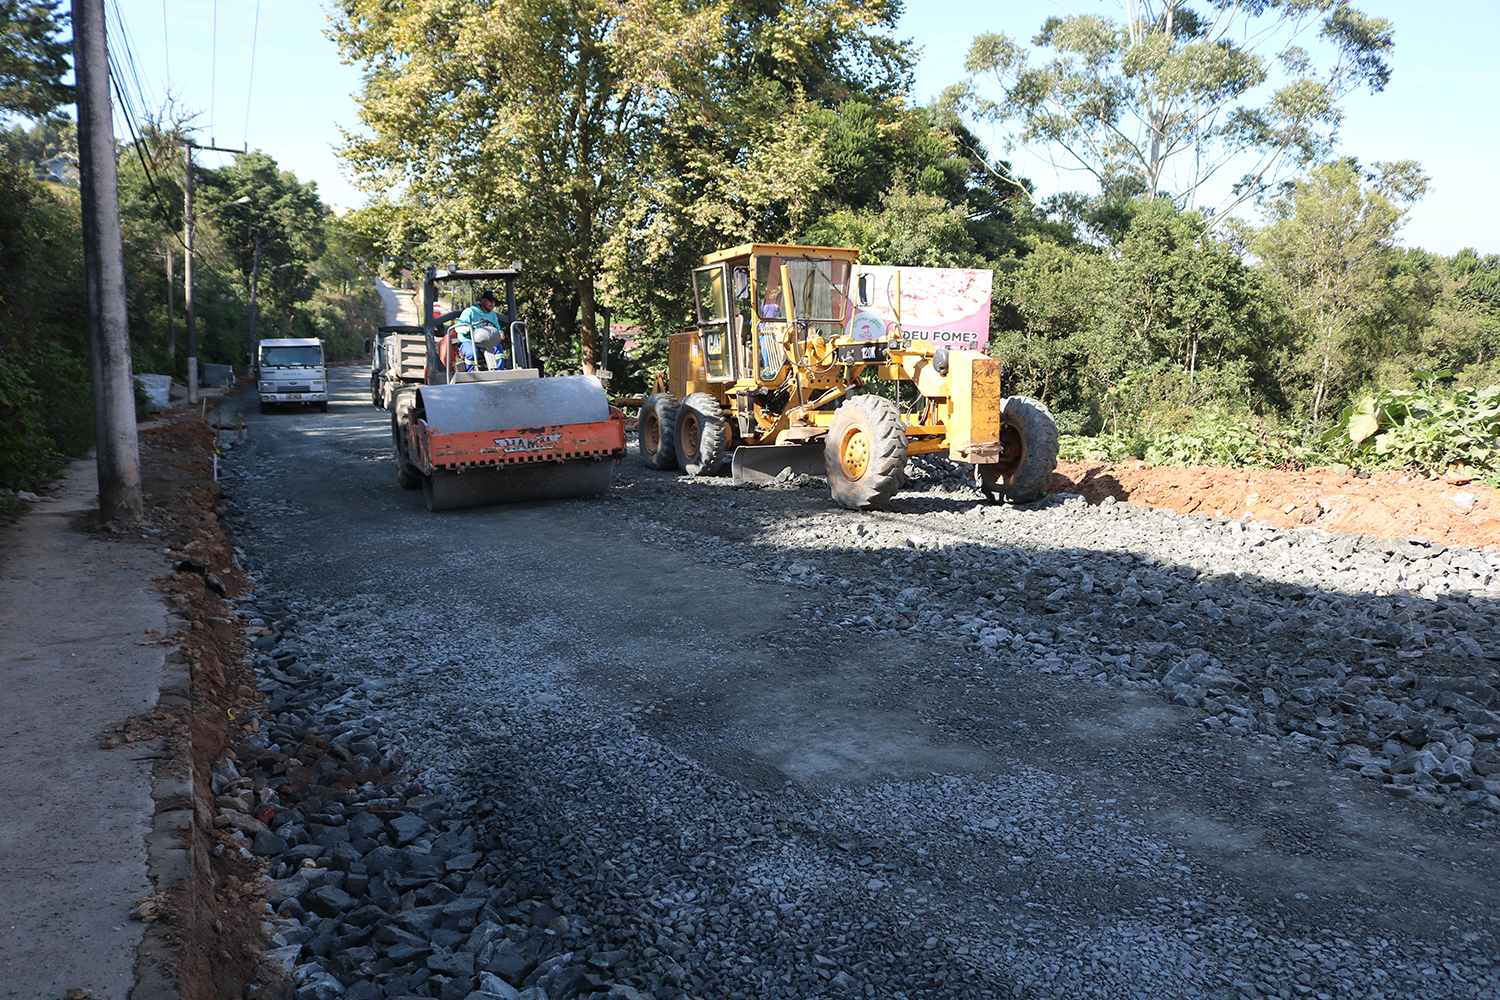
{"type": "Point", "coordinates": [292, 371]}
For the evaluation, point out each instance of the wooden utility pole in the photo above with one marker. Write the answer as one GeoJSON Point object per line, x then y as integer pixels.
{"type": "Point", "coordinates": [118, 449]}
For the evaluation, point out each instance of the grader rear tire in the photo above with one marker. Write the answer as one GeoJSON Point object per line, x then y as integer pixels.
{"type": "Point", "coordinates": [865, 452]}
{"type": "Point", "coordinates": [657, 431]}
{"type": "Point", "coordinates": [701, 435]}
{"type": "Point", "coordinates": [1027, 428]}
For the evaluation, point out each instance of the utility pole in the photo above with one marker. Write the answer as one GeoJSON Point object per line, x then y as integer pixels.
{"type": "Point", "coordinates": [118, 449]}
{"type": "Point", "coordinates": [254, 281]}
{"type": "Point", "coordinates": [187, 259]}
{"type": "Point", "coordinates": [171, 307]}
{"type": "Point", "coordinates": [187, 273]}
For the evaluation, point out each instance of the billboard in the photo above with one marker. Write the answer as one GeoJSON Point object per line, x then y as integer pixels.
{"type": "Point", "coordinates": [949, 306]}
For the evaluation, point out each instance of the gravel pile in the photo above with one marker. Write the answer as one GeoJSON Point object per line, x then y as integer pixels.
{"type": "Point", "coordinates": [451, 815]}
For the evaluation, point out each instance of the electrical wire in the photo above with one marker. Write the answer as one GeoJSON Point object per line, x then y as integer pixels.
{"type": "Point", "coordinates": [249, 87]}
{"type": "Point", "coordinates": [166, 49]}
{"type": "Point", "coordinates": [213, 73]}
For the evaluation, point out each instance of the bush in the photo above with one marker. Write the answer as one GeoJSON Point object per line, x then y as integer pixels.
{"type": "Point", "coordinates": [1431, 430]}
{"type": "Point", "coordinates": [25, 448]}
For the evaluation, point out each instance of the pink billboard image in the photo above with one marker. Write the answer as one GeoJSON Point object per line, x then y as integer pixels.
{"type": "Point", "coordinates": [949, 306]}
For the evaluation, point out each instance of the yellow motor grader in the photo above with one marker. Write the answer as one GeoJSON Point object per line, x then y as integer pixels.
{"type": "Point", "coordinates": [773, 373]}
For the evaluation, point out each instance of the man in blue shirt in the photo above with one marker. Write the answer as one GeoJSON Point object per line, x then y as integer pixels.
{"type": "Point", "coordinates": [480, 325]}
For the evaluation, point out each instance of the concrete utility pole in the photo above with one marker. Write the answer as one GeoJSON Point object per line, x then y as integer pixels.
{"type": "Point", "coordinates": [254, 281]}
{"type": "Point", "coordinates": [118, 449]}
{"type": "Point", "coordinates": [187, 273]}
{"type": "Point", "coordinates": [187, 259]}
{"type": "Point", "coordinates": [171, 307]}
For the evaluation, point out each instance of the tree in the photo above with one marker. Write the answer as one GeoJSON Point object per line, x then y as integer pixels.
{"type": "Point", "coordinates": [283, 213]}
{"type": "Point", "coordinates": [1172, 97]}
{"type": "Point", "coordinates": [913, 230]}
{"type": "Point", "coordinates": [33, 59]}
{"type": "Point", "coordinates": [596, 141]}
{"type": "Point", "coordinates": [1330, 238]}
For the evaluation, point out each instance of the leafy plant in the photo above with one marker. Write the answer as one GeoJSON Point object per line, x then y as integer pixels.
{"type": "Point", "coordinates": [1431, 429]}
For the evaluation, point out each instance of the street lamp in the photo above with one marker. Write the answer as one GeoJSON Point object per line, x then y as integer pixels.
{"type": "Point", "coordinates": [188, 218]}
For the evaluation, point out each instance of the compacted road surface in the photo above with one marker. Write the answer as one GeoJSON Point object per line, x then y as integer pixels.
{"type": "Point", "coordinates": [693, 739]}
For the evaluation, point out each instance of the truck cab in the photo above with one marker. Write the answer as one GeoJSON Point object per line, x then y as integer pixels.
{"type": "Point", "coordinates": [291, 370]}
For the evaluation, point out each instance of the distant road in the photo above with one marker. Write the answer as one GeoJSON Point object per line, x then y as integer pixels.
{"type": "Point", "coordinates": [400, 305]}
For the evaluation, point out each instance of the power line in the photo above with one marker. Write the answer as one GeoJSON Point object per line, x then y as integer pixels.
{"type": "Point", "coordinates": [249, 87]}
{"type": "Point", "coordinates": [166, 50]}
{"type": "Point", "coordinates": [213, 73]}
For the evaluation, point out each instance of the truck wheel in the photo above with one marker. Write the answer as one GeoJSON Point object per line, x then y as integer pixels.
{"type": "Point", "coordinates": [865, 452]}
{"type": "Point", "coordinates": [323, 407]}
{"type": "Point", "coordinates": [407, 474]}
{"type": "Point", "coordinates": [657, 431]}
{"type": "Point", "coordinates": [700, 435]}
{"type": "Point", "coordinates": [265, 407]}
{"type": "Point", "coordinates": [1029, 436]}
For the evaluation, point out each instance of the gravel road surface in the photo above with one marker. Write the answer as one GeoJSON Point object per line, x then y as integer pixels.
{"type": "Point", "coordinates": [690, 739]}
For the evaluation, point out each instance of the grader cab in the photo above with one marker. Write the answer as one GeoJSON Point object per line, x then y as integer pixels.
{"type": "Point", "coordinates": [774, 373]}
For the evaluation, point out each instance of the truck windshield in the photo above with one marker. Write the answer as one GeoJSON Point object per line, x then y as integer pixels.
{"type": "Point", "coordinates": [291, 357]}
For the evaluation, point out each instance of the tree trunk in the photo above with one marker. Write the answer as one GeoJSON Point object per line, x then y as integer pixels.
{"type": "Point", "coordinates": [588, 334]}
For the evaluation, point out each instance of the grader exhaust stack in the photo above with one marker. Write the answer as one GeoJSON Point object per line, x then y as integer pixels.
{"type": "Point", "coordinates": [479, 429]}
{"type": "Point", "coordinates": [773, 372]}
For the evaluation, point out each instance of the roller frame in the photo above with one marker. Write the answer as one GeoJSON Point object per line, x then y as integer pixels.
{"type": "Point", "coordinates": [470, 467]}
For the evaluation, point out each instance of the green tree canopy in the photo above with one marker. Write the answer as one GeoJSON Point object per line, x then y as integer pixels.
{"type": "Point", "coordinates": [1180, 92]}
{"type": "Point", "coordinates": [33, 58]}
{"type": "Point", "coordinates": [601, 143]}
{"type": "Point", "coordinates": [1330, 238]}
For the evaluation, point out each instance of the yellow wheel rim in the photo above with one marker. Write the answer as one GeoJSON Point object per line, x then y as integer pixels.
{"type": "Point", "coordinates": [854, 454]}
{"type": "Point", "coordinates": [651, 434]}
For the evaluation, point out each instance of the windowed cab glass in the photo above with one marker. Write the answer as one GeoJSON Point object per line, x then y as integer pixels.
{"type": "Point", "coordinates": [746, 327]}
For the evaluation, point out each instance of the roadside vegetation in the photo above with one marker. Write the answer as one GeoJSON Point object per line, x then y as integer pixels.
{"type": "Point", "coordinates": [1162, 316]}
{"type": "Point", "coordinates": [313, 279]}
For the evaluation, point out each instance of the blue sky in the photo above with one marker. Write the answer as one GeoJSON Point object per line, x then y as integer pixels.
{"type": "Point", "coordinates": [1438, 108]}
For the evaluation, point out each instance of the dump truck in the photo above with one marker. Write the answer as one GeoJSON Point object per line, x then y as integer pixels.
{"type": "Point", "coordinates": [291, 370]}
{"type": "Point", "coordinates": [470, 433]}
{"type": "Point", "coordinates": [398, 357]}
{"type": "Point", "coordinates": [773, 376]}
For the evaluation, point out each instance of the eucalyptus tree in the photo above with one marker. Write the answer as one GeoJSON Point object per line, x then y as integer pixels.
{"type": "Point", "coordinates": [1179, 96]}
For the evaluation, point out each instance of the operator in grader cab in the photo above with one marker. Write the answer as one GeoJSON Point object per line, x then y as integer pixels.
{"type": "Point", "coordinates": [481, 335]}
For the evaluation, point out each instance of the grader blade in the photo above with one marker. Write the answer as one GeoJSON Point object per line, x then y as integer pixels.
{"type": "Point", "coordinates": [759, 463]}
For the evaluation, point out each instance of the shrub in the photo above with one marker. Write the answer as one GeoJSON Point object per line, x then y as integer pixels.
{"type": "Point", "coordinates": [1431, 430]}
{"type": "Point", "coordinates": [25, 448]}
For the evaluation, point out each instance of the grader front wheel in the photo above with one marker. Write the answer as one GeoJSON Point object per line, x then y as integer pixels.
{"type": "Point", "coordinates": [1029, 436]}
{"type": "Point", "coordinates": [865, 452]}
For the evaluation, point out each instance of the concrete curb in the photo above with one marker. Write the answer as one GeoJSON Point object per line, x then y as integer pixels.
{"type": "Point", "coordinates": [170, 855]}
